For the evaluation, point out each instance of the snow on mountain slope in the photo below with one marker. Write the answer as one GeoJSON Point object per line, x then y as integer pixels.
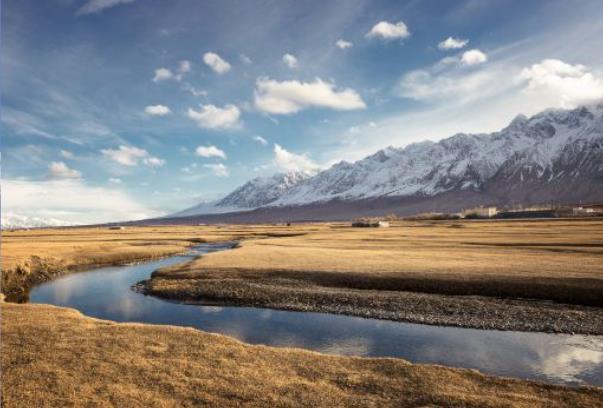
{"type": "Point", "coordinates": [16, 221]}
{"type": "Point", "coordinates": [544, 154]}
{"type": "Point", "coordinates": [534, 146]}
{"type": "Point", "coordinates": [256, 193]}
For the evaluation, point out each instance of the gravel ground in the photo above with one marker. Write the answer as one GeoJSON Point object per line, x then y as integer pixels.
{"type": "Point", "coordinates": [462, 311]}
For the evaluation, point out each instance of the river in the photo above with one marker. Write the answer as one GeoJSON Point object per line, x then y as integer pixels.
{"type": "Point", "coordinates": [557, 358]}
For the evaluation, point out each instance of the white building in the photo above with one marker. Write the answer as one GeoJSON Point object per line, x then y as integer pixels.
{"type": "Point", "coordinates": [481, 212]}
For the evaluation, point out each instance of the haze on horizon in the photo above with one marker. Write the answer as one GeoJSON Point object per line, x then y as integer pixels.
{"type": "Point", "coordinates": [124, 109]}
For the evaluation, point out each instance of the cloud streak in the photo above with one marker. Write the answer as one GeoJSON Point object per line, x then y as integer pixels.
{"type": "Point", "coordinates": [132, 156]}
{"type": "Point", "coordinates": [97, 6]}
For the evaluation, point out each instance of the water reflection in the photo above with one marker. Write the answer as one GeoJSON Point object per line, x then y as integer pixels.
{"type": "Point", "coordinates": [106, 293]}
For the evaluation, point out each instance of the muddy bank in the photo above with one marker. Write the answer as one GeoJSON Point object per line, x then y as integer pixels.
{"type": "Point", "coordinates": [299, 294]}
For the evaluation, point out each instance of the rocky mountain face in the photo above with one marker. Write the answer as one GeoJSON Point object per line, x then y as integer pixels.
{"type": "Point", "coordinates": [556, 155]}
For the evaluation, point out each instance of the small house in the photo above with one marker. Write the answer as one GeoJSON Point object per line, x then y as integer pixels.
{"type": "Point", "coordinates": [370, 223]}
{"type": "Point", "coordinates": [480, 212]}
{"type": "Point", "coordinates": [593, 209]}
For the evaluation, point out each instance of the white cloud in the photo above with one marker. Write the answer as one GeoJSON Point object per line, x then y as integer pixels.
{"type": "Point", "coordinates": [96, 6]}
{"type": "Point", "coordinates": [245, 59]}
{"type": "Point", "coordinates": [59, 170]}
{"type": "Point", "coordinates": [210, 151]}
{"type": "Point", "coordinates": [157, 110]}
{"type": "Point", "coordinates": [283, 98]}
{"type": "Point", "coordinates": [260, 140]}
{"type": "Point", "coordinates": [70, 200]}
{"type": "Point", "coordinates": [114, 180]}
{"type": "Point", "coordinates": [215, 62]}
{"type": "Point", "coordinates": [290, 60]}
{"type": "Point", "coordinates": [213, 117]}
{"type": "Point", "coordinates": [343, 44]}
{"type": "Point", "coordinates": [388, 31]}
{"type": "Point", "coordinates": [219, 170]}
{"type": "Point", "coordinates": [67, 154]}
{"type": "Point", "coordinates": [563, 84]}
{"type": "Point", "coordinates": [184, 67]}
{"type": "Point", "coordinates": [153, 161]}
{"type": "Point", "coordinates": [132, 156]}
{"type": "Point", "coordinates": [451, 43]}
{"type": "Point", "coordinates": [473, 57]}
{"type": "Point", "coordinates": [162, 74]}
{"type": "Point", "coordinates": [194, 91]}
{"type": "Point", "coordinates": [287, 161]}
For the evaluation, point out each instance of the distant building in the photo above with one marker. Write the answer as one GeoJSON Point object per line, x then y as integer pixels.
{"type": "Point", "coordinates": [370, 223]}
{"type": "Point", "coordinates": [117, 227]}
{"type": "Point", "coordinates": [592, 209]}
{"type": "Point", "coordinates": [480, 212]}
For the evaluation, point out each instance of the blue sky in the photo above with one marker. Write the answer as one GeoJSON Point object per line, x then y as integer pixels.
{"type": "Point", "coordinates": [114, 109]}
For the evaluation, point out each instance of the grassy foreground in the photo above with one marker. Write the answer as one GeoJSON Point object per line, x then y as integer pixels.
{"type": "Point", "coordinates": [483, 274]}
{"type": "Point", "coordinates": [57, 357]}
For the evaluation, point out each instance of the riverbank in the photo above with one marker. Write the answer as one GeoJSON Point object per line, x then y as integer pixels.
{"type": "Point", "coordinates": [55, 356]}
{"type": "Point", "coordinates": [460, 311]}
{"type": "Point", "coordinates": [30, 257]}
{"type": "Point", "coordinates": [508, 275]}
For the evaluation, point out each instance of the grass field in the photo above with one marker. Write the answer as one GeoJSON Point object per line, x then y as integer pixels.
{"type": "Point", "coordinates": [33, 256]}
{"type": "Point", "coordinates": [401, 272]}
{"type": "Point", "coordinates": [56, 357]}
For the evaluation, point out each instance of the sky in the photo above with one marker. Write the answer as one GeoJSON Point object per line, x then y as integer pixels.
{"type": "Point", "coordinates": [122, 109]}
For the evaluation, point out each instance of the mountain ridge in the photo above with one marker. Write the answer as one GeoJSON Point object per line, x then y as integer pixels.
{"type": "Point", "coordinates": [533, 159]}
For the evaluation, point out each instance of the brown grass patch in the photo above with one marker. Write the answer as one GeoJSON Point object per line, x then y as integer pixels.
{"type": "Point", "coordinates": [548, 260]}
{"type": "Point", "coordinates": [33, 256]}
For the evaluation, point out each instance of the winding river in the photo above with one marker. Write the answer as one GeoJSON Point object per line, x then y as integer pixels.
{"type": "Point", "coordinates": [106, 293]}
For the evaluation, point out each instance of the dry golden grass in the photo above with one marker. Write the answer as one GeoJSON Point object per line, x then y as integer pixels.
{"type": "Point", "coordinates": [31, 256]}
{"type": "Point", "coordinates": [560, 260]}
{"type": "Point", "coordinates": [55, 357]}
{"type": "Point", "coordinates": [548, 249]}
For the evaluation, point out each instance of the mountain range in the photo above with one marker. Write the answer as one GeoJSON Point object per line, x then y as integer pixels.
{"type": "Point", "coordinates": [553, 156]}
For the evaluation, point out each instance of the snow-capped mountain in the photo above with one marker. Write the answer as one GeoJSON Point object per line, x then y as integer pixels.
{"type": "Point", "coordinates": [256, 193]}
{"type": "Point", "coordinates": [16, 221]}
{"type": "Point", "coordinates": [556, 155]}
{"type": "Point", "coordinates": [543, 148]}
